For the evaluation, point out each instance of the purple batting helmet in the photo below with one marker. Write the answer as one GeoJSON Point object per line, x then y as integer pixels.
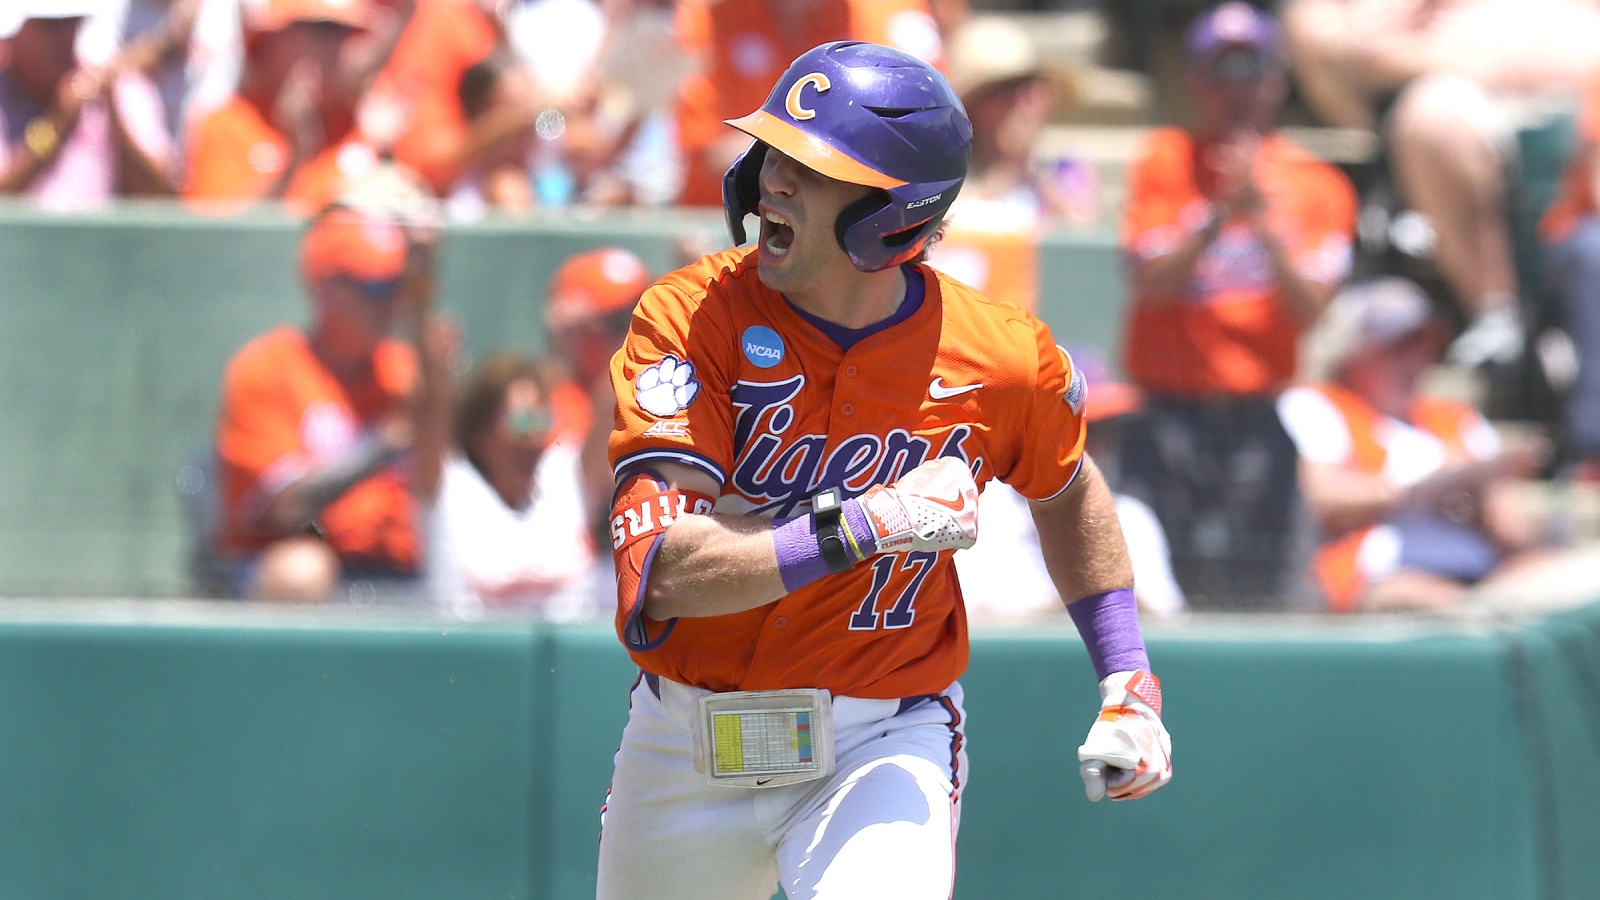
{"type": "Point", "coordinates": [868, 115]}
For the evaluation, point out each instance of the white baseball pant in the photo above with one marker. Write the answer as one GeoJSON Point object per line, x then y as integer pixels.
{"type": "Point", "coordinates": [883, 825]}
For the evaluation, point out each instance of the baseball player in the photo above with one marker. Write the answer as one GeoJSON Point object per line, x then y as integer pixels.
{"type": "Point", "coordinates": [801, 431]}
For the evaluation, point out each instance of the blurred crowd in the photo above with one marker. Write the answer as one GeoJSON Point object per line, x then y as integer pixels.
{"type": "Point", "coordinates": [1271, 436]}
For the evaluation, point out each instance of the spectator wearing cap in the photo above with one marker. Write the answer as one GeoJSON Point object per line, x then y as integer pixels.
{"type": "Point", "coordinates": [1460, 75]}
{"type": "Point", "coordinates": [1406, 489]}
{"type": "Point", "coordinates": [73, 136]}
{"type": "Point", "coordinates": [1008, 94]}
{"type": "Point", "coordinates": [744, 47]}
{"type": "Point", "coordinates": [1004, 576]}
{"type": "Point", "coordinates": [509, 530]}
{"type": "Point", "coordinates": [590, 303]}
{"type": "Point", "coordinates": [1235, 238]}
{"type": "Point", "coordinates": [314, 424]}
{"type": "Point", "coordinates": [992, 241]}
{"type": "Point", "coordinates": [280, 135]}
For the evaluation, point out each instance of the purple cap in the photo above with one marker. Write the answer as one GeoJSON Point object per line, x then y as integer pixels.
{"type": "Point", "coordinates": [1233, 24]}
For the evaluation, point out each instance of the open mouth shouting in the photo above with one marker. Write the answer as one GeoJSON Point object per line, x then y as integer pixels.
{"type": "Point", "coordinates": [777, 234]}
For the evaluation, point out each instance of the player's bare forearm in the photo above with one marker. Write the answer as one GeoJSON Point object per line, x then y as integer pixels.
{"type": "Point", "coordinates": [711, 565]}
{"type": "Point", "coordinates": [1081, 539]}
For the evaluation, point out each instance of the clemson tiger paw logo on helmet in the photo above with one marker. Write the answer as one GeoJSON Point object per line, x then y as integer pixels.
{"type": "Point", "coordinates": [667, 388]}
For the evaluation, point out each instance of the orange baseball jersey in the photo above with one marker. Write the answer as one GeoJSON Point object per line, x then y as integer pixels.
{"type": "Point", "coordinates": [235, 155]}
{"type": "Point", "coordinates": [1575, 194]}
{"type": "Point", "coordinates": [283, 412]}
{"type": "Point", "coordinates": [1228, 335]}
{"type": "Point", "coordinates": [744, 52]}
{"type": "Point", "coordinates": [721, 373]}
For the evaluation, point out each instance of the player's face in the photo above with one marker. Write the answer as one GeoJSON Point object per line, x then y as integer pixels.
{"type": "Point", "coordinates": [799, 206]}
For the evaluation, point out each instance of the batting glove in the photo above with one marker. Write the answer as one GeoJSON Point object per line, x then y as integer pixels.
{"type": "Point", "coordinates": [932, 507]}
{"type": "Point", "coordinates": [1128, 753]}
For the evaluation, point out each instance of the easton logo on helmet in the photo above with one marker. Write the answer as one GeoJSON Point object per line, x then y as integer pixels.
{"type": "Point", "coordinates": [924, 201]}
{"type": "Point", "coordinates": [791, 104]}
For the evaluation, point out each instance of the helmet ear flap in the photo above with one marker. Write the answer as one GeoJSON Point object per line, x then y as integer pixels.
{"type": "Point", "coordinates": [854, 214]}
{"type": "Point", "coordinates": [741, 189]}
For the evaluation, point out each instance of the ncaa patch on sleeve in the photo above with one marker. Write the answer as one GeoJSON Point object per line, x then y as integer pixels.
{"type": "Point", "coordinates": [762, 346]}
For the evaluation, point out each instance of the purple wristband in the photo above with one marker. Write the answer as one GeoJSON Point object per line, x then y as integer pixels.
{"type": "Point", "coordinates": [1109, 625]}
{"type": "Point", "coordinates": [800, 559]}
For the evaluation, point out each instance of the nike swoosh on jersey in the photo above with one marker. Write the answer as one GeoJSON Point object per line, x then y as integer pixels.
{"type": "Point", "coordinates": [938, 391]}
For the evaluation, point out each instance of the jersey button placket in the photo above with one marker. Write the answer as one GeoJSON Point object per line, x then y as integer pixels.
{"type": "Point", "coordinates": [847, 409]}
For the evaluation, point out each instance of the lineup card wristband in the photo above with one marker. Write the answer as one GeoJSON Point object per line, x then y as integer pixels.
{"type": "Point", "coordinates": [761, 739]}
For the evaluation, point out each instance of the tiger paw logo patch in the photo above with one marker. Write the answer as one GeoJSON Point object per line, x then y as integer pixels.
{"type": "Point", "coordinates": [667, 388]}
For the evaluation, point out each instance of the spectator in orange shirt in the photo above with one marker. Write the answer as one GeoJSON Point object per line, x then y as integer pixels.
{"type": "Point", "coordinates": [314, 425]}
{"type": "Point", "coordinates": [745, 46]}
{"type": "Point", "coordinates": [1408, 490]}
{"type": "Point", "coordinates": [586, 315]}
{"type": "Point", "coordinates": [419, 88]}
{"type": "Point", "coordinates": [1235, 239]}
{"type": "Point", "coordinates": [269, 141]}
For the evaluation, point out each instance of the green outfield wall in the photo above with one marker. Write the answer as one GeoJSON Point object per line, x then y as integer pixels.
{"type": "Point", "coordinates": [171, 751]}
{"type": "Point", "coordinates": [115, 327]}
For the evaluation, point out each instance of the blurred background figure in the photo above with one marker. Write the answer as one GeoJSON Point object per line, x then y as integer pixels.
{"type": "Point", "coordinates": [509, 529]}
{"type": "Point", "coordinates": [1003, 575]}
{"type": "Point", "coordinates": [498, 103]}
{"type": "Point", "coordinates": [314, 423]}
{"type": "Point", "coordinates": [1407, 490]}
{"type": "Point", "coordinates": [590, 302]}
{"type": "Point", "coordinates": [190, 49]}
{"type": "Point", "coordinates": [75, 135]}
{"type": "Point", "coordinates": [1570, 233]}
{"type": "Point", "coordinates": [1009, 95]}
{"type": "Point", "coordinates": [272, 138]}
{"type": "Point", "coordinates": [1235, 238]}
{"type": "Point", "coordinates": [744, 45]}
{"type": "Point", "coordinates": [1462, 76]}
{"type": "Point", "coordinates": [414, 106]}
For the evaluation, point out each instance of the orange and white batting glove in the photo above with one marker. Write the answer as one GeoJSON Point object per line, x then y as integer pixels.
{"type": "Point", "coordinates": [1128, 752]}
{"type": "Point", "coordinates": [932, 507]}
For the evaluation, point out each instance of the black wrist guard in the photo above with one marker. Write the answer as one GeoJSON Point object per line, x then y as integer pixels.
{"type": "Point", "coordinates": [826, 508]}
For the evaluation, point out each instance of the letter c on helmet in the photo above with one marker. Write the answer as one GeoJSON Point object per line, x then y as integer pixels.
{"type": "Point", "coordinates": [792, 105]}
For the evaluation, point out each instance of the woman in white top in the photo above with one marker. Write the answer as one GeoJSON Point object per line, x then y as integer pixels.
{"type": "Point", "coordinates": [508, 529]}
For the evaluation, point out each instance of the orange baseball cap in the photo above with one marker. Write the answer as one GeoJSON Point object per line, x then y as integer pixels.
{"type": "Point", "coordinates": [595, 284]}
{"type": "Point", "coordinates": [274, 15]}
{"type": "Point", "coordinates": [363, 245]}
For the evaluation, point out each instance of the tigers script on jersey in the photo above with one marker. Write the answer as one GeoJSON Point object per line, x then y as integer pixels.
{"type": "Point", "coordinates": [721, 373]}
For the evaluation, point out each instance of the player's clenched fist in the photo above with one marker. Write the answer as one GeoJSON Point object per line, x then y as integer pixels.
{"type": "Point", "coordinates": [1128, 753]}
{"type": "Point", "coordinates": [932, 507]}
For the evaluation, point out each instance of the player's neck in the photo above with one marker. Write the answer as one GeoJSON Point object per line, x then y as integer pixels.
{"type": "Point", "coordinates": [855, 299]}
